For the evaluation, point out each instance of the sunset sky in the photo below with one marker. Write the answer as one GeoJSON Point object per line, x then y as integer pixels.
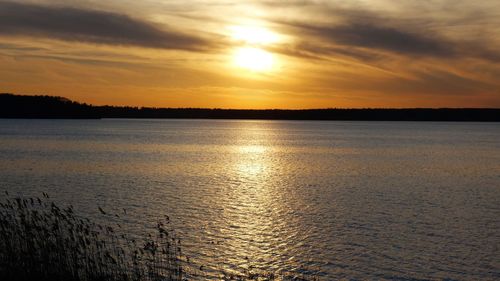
{"type": "Point", "coordinates": [254, 54]}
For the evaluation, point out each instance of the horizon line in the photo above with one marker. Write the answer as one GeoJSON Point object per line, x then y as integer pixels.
{"type": "Point", "coordinates": [256, 109]}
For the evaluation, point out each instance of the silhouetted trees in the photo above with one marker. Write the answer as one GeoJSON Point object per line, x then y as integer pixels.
{"type": "Point", "coordinates": [17, 106]}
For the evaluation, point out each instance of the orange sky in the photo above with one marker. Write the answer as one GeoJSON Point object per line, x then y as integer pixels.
{"type": "Point", "coordinates": [254, 54]}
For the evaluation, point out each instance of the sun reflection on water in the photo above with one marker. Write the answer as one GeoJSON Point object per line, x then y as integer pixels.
{"type": "Point", "coordinates": [258, 149]}
{"type": "Point", "coordinates": [251, 221]}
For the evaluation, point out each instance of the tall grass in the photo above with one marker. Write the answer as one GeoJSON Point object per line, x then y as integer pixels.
{"type": "Point", "coordinates": [40, 241]}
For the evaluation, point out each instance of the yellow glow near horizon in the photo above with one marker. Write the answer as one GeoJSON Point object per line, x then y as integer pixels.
{"type": "Point", "coordinates": [253, 35]}
{"type": "Point", "coordinates": [254, 59]}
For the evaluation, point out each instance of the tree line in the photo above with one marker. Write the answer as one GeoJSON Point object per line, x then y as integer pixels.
{"type": "Point", "coordinates": [22, 106]}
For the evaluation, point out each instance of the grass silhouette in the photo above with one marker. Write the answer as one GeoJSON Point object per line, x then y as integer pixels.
{"type": "Point", "coordinates": [41, 241]}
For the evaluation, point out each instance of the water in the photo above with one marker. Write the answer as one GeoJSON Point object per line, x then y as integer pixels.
{"type": "Point", "coordinates": [354, 200]}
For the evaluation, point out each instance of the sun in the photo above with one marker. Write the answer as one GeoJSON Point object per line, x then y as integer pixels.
{"type": "Point", "coordinates": [251, 53]}
{"type": "Point", "coordinates": [254, 59]}
{"type": "Point", "coordinates": [253, 35]}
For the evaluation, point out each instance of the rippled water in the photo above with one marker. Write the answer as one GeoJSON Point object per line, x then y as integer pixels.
{"type": "Point", "coordinates": [354, 200]}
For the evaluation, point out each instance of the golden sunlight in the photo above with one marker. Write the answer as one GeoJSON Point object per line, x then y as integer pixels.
{"type": "Point", "coordinates": [253, 35]}
{"type": "Point", "coordinates": [251, 54]}
{"type": "Point", "coordinates": [254, 59]}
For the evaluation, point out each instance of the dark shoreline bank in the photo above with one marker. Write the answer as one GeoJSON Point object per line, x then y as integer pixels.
{"type": "Point", "coordinates": [50, 107]}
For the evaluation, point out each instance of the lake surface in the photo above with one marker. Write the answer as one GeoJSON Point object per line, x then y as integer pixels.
{"type": "Point", "coordinates": [353, 200]}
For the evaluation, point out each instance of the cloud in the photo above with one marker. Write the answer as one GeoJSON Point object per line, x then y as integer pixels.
{"type": "Point", "coordinates": [90, 26]}
{"type": "Point", "coordinates": [16, 47]}
{"type": "Point", "coordinates": [375, 36]}
{"type": "Point", "coordinates": [311, 51]}
{"type": "Point", "coordinates": [362, 41]}
{"type": "Point", "coordinates": [410, 31]}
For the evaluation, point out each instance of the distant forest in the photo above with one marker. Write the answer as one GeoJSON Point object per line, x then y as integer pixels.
{"type": "Point", "coordinates": [21, 106]}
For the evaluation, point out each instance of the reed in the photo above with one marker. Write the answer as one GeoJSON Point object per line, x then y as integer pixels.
{"type": "Point", "coordinates": [41, 241]}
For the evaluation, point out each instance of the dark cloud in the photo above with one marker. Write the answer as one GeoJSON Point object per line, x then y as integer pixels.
{"type": "Point", "coordinates": [74, 24]}
{"type": "Point", "coordinates": [362, 40]}
{"type": "Point", "coordinates": [358, 32]}
{"type": "Point", "coordinates": [380, 37]}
